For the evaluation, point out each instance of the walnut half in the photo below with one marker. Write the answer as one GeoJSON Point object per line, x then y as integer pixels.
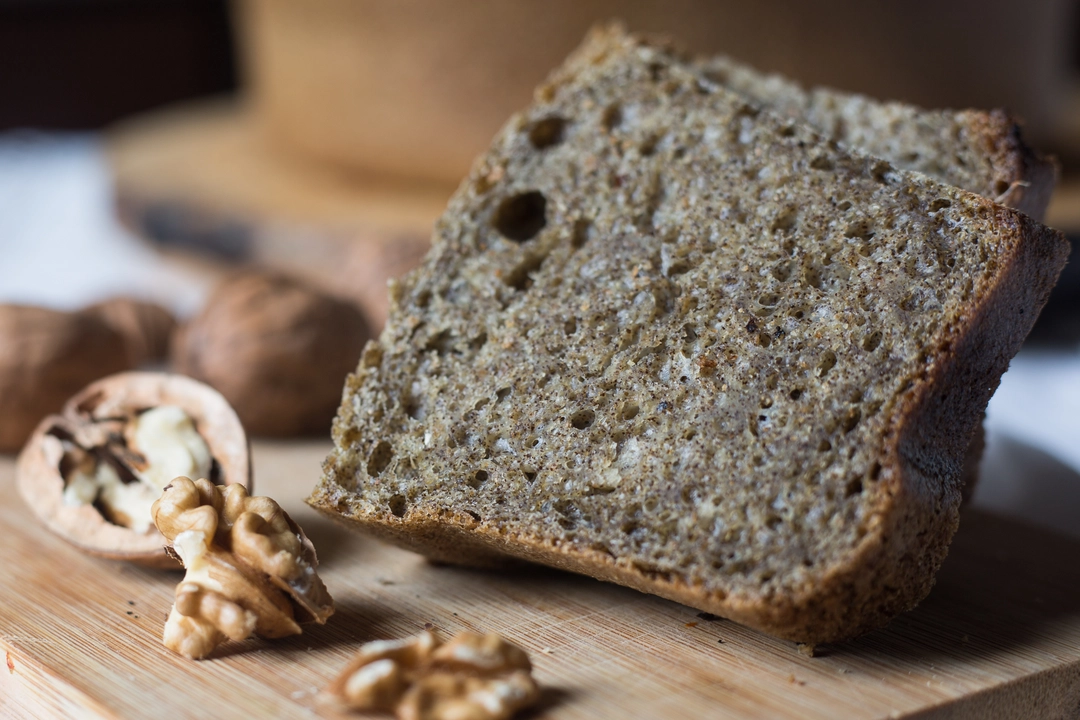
{"type": "Point", "coordinates": [472, 677]}
{"type": "Point", "coordinates": [92, 472]}
{"type": "Point", "coordinates": [249, 567]}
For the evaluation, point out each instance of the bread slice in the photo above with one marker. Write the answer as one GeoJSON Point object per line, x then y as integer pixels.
{"type": "Point", "coordinates": [672, 341]}
{"type": "Point", "coordinates": [975, 150]}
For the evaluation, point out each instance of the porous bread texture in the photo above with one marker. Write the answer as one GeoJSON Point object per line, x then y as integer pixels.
{"type": "Point", "coordinates": [980, 151]}
{"type": "Point", "coordinates": [672, 341]}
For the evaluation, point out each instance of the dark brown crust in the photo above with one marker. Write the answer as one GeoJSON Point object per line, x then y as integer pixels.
{"type": "Point", "coordinates": [907, 536]}
{"type": "Point", "coordinates": [1024, 179]}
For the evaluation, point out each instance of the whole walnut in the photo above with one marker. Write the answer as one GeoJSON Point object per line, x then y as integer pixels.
{"type": "Point", "coordinates": [46, 356]}
{"type": "Point", "coordinates": [146, 327]}
{"type": "Point", "coordinates": [276, 349]}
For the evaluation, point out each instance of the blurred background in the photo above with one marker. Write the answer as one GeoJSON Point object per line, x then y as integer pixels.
{"type": "Point", "coordinates": [150, 147]}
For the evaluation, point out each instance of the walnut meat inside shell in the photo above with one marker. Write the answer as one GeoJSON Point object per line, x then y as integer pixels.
{"type": "Point", "coordinates": [92, 472]}
{"type": "Point", "coordinates": [250, 568]}
{"type": "Point", "coordinates": [278, 350]}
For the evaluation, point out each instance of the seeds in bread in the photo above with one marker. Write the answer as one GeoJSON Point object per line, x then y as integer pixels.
{"type": "Point", "coordinates": [672, 341]}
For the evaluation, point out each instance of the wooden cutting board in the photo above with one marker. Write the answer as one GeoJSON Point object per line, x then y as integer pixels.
{"type": "Point", "coordinates": [999, 637]}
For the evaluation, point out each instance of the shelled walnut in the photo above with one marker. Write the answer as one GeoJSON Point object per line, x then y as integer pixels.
{"type": "Point", "coordinates": [277, 349]}
{"type": "Point", "coordinates": [249, 568]}
{"type": "Point", "coordinates": [471, 677]}
{"type": "Point", "coordinates": [92, 472]}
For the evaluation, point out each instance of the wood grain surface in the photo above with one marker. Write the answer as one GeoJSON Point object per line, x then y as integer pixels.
{"type": "Point", "coordinates": [999, 637]}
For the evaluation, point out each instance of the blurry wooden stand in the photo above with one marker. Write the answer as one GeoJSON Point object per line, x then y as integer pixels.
{"type": "Point", "coordinates": [201, 178]}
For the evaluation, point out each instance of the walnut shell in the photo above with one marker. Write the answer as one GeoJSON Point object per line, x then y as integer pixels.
{"type": "Point", "coordinates": [146, 327]}
{"type": "Point", "coordinates": [278, 350]}
{"type": "Point", "coordinates": [45, 357]}
{"type": "Point", "coordinates": [92, 420]}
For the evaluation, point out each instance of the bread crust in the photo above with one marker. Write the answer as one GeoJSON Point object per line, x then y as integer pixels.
{"type": "Point", "coordinates": [1024, 178]}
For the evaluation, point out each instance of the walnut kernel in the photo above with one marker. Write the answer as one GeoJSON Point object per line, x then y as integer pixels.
{"type": "Point", "coordinates": [249, 568]}
{"type": "Point", "coordinates": [472, 677]}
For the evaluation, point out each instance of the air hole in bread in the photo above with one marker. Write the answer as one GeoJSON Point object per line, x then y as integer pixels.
{"type": "Point", "coordinates": [398, 505]}
{"type": "Point", "coordinates": [782, 272]}
{"type": "Point", "coordinates": [612, 117]}
{"type": "Point", "coordinates": [582, 418]}
{"type": "Point", "coordinates": [570, 326]}
{"type": "Point", "coordinates": [827, 363]}
{"type": "Point", "coordinates": [939, 204]}
{"type": "Point", "coordinates": [477, 479]}
{"type": "Point", "coordinates": [521, 276]}
{"type": "Point", "coordinates": [796, 393]}
{"type": "Point", "coordinates": [547, 132]}
{"type": "Point", "coordinates": [379, 459]}
{"type": "Point", "coordinates": [871, 341]}
{"type": "Point", "coordinates": [859, 229]}
{"type": "Point", "coordinates": [851, 420]}
{"type": "Point", "coordinates": [442, 342]}
{"type": "Point", "coordinates": [648, 145]}
{"type": "Point", "coordinates": [854, 487]}
{"type": "Point", "coordinates": [769, 299]}
{"type": "Point", "coordinates": [881, 172]}
{"type": "Point", "coordinates": [520, 217]}
{"type": "Point", "coordinates": [679, 267]}
{"type": "Point", "coordinates": [581, 234]}
{"type": "Point", "coordinates": [824, 446]}
{"type": "Point", "coordinates": [821, 162]}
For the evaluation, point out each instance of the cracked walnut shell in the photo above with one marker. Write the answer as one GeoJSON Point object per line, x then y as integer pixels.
{"type": "Point", "coordinates": [249, 568]}
{"type": "Point", "coordinates": [471, 677]}
{"type": "Point", "coordinates": [61, 471]}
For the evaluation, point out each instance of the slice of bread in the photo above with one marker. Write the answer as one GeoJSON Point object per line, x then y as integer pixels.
{"type": "Point", "coordinates": [672, 341]}
{"type": "Point", "coordinates": [975, 150]}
